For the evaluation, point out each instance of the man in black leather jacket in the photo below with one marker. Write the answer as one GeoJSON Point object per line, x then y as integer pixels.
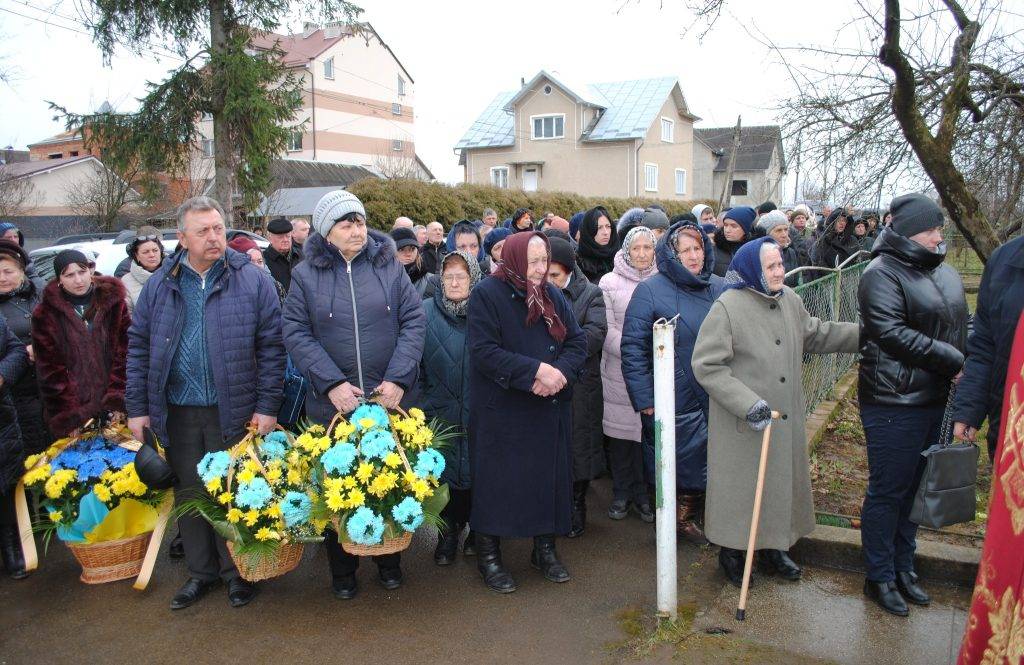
{"type": "Point", "coordinates": [914, 318]}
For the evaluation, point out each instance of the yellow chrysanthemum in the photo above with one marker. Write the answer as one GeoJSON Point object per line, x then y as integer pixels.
{"type": "Point", "coordinates": [335, 501]}
{"type": "Point", "coordinates": [56, 516]}
{"type": "Point", "coordinates": [273, 475]}
{"type": "Point", "coordinates": [213, 486]}
{"type": "Point", "coordinates": [348, 482]}
{"type": "Point", "coordinates": [383, 483]}
{"type": "Point", "coordinates": [392, 460]}
{"type": "Point", "coordinates": [417, 414]}
{"type": "Point", "coordinates": [421, 489]}
{"type": "Point", "coordinates": [234, 515]}
{"type": "Point", "coordinates": [356, 498]}
{"type": "Point", "coordinates": [294, 476]}
{"type": "Point", "coordinates": [246, 476]}
{"type": "Point", "coordinates": [56, 483]}
{"type": "Point", "coordinates": [273, 510]}
{"type": "Point", "coordinates": [225, 498]}
{"type": "Point", "coordinates": [316, 429]}
{"type": "Point", "coordinates": [267, 534]}
{"type": "Point", "coordinates": [32, 460]}
{"type": "Point", "coordinates": [364, 472]}
{"type": "Point", "coordinates": [251, 465]}
{"type": "Point", "coordinates": [321, 444]}
{"type": "Point", "coordinates": [344, 430]}
{"type": "Point", "coordinates": [37, 475]}
{"type": "Point", "coordinates": [102, 492]}
{"type": "Point", "coordinates": [367, 423]}
{"type": "Point", "coordinates": [251, 516]}
{"type": "Point", "coordinates": [332, 484]}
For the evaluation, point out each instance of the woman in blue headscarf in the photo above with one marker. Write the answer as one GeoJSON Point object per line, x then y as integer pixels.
{"type": "Point", "coordinates": [748, 358]}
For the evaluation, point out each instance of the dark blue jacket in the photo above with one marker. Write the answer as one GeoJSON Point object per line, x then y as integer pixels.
{"type": "Point", "coordinates": [243, 341]}
{"type": "Point", "coordinates": [519, 443]}
{"type": "Point", "coordinates": [444, 385]}
{"type": "Point", "coordinates": [1000, 301]}
{"type": "Point", "coordinates": [328, 296]}
{"type": "Point", "coordinates": [673, 290]}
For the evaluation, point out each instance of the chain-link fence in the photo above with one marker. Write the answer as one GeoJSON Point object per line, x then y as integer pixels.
{"type": "Point", "coordinates": [830, 298]}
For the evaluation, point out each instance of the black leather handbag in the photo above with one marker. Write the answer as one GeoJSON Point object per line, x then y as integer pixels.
{"type": "Point", "coordinates": [947, 493]}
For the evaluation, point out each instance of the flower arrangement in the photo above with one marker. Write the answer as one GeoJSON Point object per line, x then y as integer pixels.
{"type": "Point", "coordinates": [259, 497]}
{"type": "Point", "coordinates": [380, 476]}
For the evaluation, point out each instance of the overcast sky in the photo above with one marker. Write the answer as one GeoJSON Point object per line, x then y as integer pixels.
{"type": "Point", "coordinates": [460, 55]}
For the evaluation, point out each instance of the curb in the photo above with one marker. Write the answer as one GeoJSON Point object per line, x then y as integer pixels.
{"type": "Point", "coordinates": [818, 420]}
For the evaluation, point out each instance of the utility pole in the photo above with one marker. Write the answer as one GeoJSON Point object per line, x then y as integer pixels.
{"type": "Point", "coordinates": [727, 185]}
{"type": "Point", "coordinates": [796, 186]}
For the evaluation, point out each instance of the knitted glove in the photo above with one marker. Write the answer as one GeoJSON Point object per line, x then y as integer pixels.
{"type": "Point", "coordinates": [759, 416]}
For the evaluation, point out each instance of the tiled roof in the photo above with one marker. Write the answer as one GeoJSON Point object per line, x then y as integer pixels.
{"type": "Point", "coordinates": [629, 109]}
{"type": "Point", "coordinates": [756, 146]}
{"type": "Point", "coordinates": [19, 169]}
{"type": "Point", "coordinates": [297, 49]}
{"type": "Point", "coordinates": [62, 137]}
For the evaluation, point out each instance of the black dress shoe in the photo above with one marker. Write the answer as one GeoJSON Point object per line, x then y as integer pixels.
{"type": "Point", "coordinates": [646, 512]}
{"type": "Point", "coordinates": [469, 545]}
{"type": "Point", "coordinates": [906, 583]}
{"type": "Point", "coordinates": [777, 562]}
{"type": "Point", "coordinates": [241, 592]}
{"type": "Point", "coordinates": [10, 547]}
{"type": "Point", "coordinates": [190, 593]}
{"type": "Point", "coordinates": [619, 509]}
{"type": "Point", "coordinates": [488, 562]}
{"type": "Point", "coordinates": [732, 562]}
{"type": "Point", "coordinates": [176, 550]}
{"type": "Point", "coordinates": [390, 578]}
{"type": "Point", "coordinates": [887, 597]}
{"type": "Point", "coordinates": [545, 559]}
{"type": "Point", "coordinates": [344, 588]}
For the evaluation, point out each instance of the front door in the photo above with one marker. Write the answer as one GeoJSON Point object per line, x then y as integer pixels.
{"type": "Point", "coordinates": [530, 180]}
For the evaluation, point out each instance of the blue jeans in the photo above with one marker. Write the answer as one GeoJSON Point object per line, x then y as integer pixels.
{"type": "Point", "coordinates": [896, 436]}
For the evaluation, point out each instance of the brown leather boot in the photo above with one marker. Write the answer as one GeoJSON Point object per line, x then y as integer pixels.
{"type": "Point", "coordinates": [687, 516]}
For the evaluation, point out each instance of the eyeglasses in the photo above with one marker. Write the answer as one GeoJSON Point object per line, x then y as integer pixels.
{"type": "Point", "coordinates": [454, 279]}
{"type": "Point", "coordinates": [141, 239]}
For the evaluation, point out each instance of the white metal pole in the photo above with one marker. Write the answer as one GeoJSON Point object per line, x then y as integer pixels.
{"type": "Point", "coordinates": [665, 463]}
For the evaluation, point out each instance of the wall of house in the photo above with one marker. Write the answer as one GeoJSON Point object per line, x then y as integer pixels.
{"type": "Point", "coordinates": [51, 189]}
{"type": "Point", "coordinates": [704, 162]}
{"type": "Point", "coordinates": [668, 156]}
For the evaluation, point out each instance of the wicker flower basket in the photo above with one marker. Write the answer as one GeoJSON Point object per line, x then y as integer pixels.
{"type": "Point", "coordinates": [386, 546]}
{"type": "Point", "coordinates": [112, 560]}
{"type": "Point", "coordinates": [254, 569]}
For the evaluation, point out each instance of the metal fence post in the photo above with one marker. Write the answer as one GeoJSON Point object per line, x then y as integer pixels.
{"type": "Point", "coordinates": [665, 464]}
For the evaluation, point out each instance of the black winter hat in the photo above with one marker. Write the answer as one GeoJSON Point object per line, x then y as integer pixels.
{"type": "Point", "coordinates": [66, 258]}
{"type": "Point", "coordinates": [11, 249]}
{"type": "Point", "coordinates": [279, 225]}
{"type": "Point", "coordinates": [561, 253]}
{"type": "Point", "coordinates": [767, 206]}
{"type": "Point", "coordinates": [914, 213]}
{"type": "Point", "coordinates": [655, 219]}
{"type": "Point", "coordinates": [404, 237]}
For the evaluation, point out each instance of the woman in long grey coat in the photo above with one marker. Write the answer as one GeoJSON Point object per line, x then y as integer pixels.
{"type": "Point", "coordinates": [748, 358]}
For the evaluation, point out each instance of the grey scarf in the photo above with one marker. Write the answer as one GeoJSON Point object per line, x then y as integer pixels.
{"type": "Point", "coordinates": [459, 308]}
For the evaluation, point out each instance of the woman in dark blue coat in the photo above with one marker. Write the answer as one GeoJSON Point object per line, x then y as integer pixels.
{"type": "Point", "coordinates": [685, 285]}
{"type": "Point", "coordinates": [526, 351]}
{"type": "Point", "coordinates": [444, 385]}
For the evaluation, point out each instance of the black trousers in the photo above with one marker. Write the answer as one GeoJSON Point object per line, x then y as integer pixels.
{"type": "Point", "coordinates": [344, 564]}
{"type": "Point", "coordinates": [456, 511]}
{"type": "Point", "coordinates": [193, 431]}
{"type": "Point", "coordinates": [8, 516]}
{"type": "Point", "coordinates": [627, 465]}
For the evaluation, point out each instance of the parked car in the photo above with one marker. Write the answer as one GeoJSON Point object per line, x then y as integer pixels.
{"type": "Point", "coordinates": [109, 251]}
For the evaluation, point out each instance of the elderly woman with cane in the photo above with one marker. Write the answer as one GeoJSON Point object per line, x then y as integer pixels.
{"type": "Point", "coordinates": [748, 358]}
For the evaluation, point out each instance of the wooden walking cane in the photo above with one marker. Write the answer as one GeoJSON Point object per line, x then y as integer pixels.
{"type": "Point", "coordinates": [741, 609]}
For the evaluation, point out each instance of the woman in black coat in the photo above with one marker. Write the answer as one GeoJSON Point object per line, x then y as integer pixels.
{"type": "Point", "coordinates": [598, 244]}
{"type": "Point", "coordinates": [444, 385]}
{"type": "Point", "coordinates": [13, 363]}
{"type": "Point", "coordinates": [836, 244]}
{"type": "Point", "coordinates": [526, 352]}
{"type": "Point", "coordinates": [587, 302]}
{"type": "Point", "coordinates": [736, 230]}
{"type": "Point", "coordinates": [914, 318]}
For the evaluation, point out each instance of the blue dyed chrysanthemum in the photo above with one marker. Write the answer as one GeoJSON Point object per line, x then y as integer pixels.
{"type": "Point", "coordinates": [429, 462]}
{"type": "Point", "coordinates": [275, 445]}
{"type": "Point", "coordinates": [253, 494]}
{"type": "Point", "coordinates": [374, 412]}
{"type": "Point", "coordinates": [295, 508]}
{"type": "Point", "coordinates": [91, 468]}
{"type": "Point", "coordinates": [339, 458]}
{"type": "Point", "coordinates": [71, 458]}
{"type": "Point", "coordinates": [408, 514]}
{"type": "Point", "coordinates": [117, 457]}
{"type": "Point", "coordinates": [377, 444]}
{"type": "Point", "coordinates": [365, 527]}
{"type": "Point", "coordinates": [214, 465]}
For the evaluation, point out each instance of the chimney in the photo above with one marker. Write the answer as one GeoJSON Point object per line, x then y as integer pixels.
{"type": "Point", "coordinates": [308, 29]}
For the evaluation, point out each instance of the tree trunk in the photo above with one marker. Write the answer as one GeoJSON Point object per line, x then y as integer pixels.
{"type": "Point", "coordinates": [223, 151]}
{"type": "Point", "coordinates": [726, 197]}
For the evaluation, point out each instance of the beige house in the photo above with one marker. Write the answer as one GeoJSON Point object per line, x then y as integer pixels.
{"type": "Point", "coordinates": [628, 138]}
{"type": "Point", "coordinates": [759, 173]}
{"type": "Point", "coordinates": [358, 101]}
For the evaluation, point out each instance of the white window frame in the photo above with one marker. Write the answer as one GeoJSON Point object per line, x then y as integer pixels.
{"type": "Point", "coordinates": [671, 125]}
{"type": "Point", "coordinates": [396, 108]}
{"type": "Point", "coordinates": [648, 166]}
{"type": "Point", "coordinates": [329, 68]}
{"type": "Point", "coordinates": [396, 145]}
{"type": "Point", "coordinates": [496, 179]}
{"type": "Point", "coordinates": [292, 146]}
{"type": "Point", "coordinates": [681, 191]}
{"type": "Point", "coordinates": [401, 86]}
{"type": "Point", "coordinates": [207, 147]}
{"type": "Point", "coordinates": [553, 116]}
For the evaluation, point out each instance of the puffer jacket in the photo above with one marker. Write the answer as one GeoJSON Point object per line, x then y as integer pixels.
{"type": "Point", "coordinates": [914, 319]}
{"type": "Point", "coordinates": [13, 363]}
{"type": "Point", "coordinates": [243, 342]}
{"type": "Point", "coordinates": [587, 304]}
{"type": "Point", "coordinates": [619, 419]}
{"type": "Point", "coordinates": [444, 385]}
{"type": "Point", "coordinates": [674, 290]}
{"type": "Point", "coordinates": [359, 321]}
{"type": "Point", "coordinates": [16, 308]}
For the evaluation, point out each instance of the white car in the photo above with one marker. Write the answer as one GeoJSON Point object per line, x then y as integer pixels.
{"type": "Point", "coordinates": [110, 251]}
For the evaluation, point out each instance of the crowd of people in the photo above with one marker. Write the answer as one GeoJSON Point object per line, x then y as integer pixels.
{"type": "Point", "coordinates": [533, 337]}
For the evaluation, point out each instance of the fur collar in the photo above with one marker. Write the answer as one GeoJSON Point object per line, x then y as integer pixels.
{"type": "Point", "coordinates": [109, 292]}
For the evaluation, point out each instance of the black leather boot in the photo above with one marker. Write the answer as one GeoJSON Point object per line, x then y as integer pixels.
{"type": "Point", "coordinates": [777, 562]}
{"type": "Point", "coordinates": [887, 597]}
{"type": "Point", "coordinates": [579, 507]}
{"type": "Point", "coordinates": [10, 548]}
{"type": "Point", "coordinates": [906, 583]}
{"type": "Point", "coordinates": [488, 562]}
{"type": "Point", "coordinates": [687, 519]}
{"type": "Point", "coordinates": [447, 544]}
{"type": "Point", "coordinates": [545, 559]}
{"type": "Point", "coordinates": [732, 562]}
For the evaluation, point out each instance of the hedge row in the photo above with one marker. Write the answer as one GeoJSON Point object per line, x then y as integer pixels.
{"type": "Point", "coordinates": [426, 202]}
